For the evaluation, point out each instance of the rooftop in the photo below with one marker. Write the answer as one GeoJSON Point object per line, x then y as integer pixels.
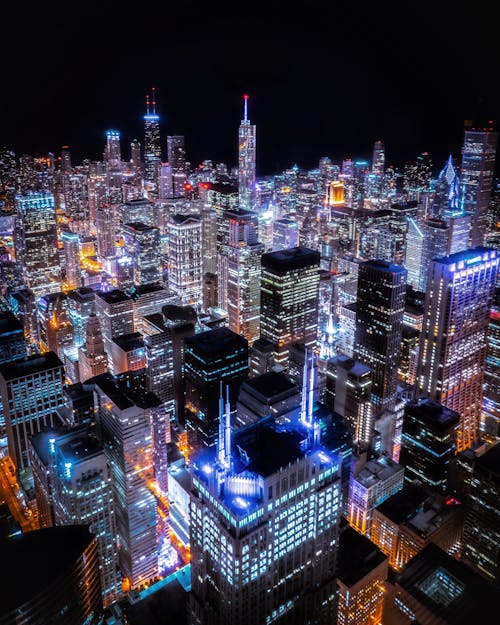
{"type": "Point", "coordinates": [30, 365]}
{"type": "Point", "coordinates": [269, 385]}
{"type": "Point", "coordinates": [448, 589]}
{"type": "Point", "coordinates": [9, 324]}
{"type": "Point", "coordinates": [432, 413]}
{"type": "Point", "coordinates": [39, 558]}
{"type": "Point", "coordinates": [376, 470]}
{"type": "Point", "coordinates": [114, 296]}
{"type": "Point", "coordinates": [78, 449]}
{"type": "Point", "coordinates": [470, 256]}
{"type": "Point", "coordinates": [215, 342]}
{"type": "Point", "coordinates": [357, 556]}
{"type": "Point", "coordinates": [289, 259]}
{"type": "Point", "coordinates": [129, 342]}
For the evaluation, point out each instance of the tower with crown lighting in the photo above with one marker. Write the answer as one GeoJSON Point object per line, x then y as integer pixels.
{"type": "Point", "coordinates": [152, 146]}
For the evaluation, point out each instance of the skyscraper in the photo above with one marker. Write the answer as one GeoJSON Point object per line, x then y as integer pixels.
{"type": "Point", "coordinates": [428, 442]}
{"type": "Point", "coordinates": [36, 242]}
{"type": "Point", "coordinates": [72, 269]}
{"type": "Point", "coordinates": [124, 420]}
{"type": "Point", "coordinates": [378, 160]}
{"type": "Point", "coordinates": [209, 358]}
{"type": "Point", "coordinates": [246, 160]}
{"type": "Point", "coordinates": [452, 347]}
{"type": "Point", "coordinates": [82, 494]}
{"type": "Point", "coordinates": [31, 391]}
{"type": "Point", "coordinates": [185, 277]}
{"type": "Point", "coordinates": [379, 324]}
{"type": "Point", "coordinates": [152, 145]}
{"type": "Point", "coordinates": [264, 522]}
{"type": "Point", "coordinates": [289, 299]}
{"type": "Point", "coordinates": [176, 154]}
{"type": "Point", "coordinates": [476, 172]}
{"type": "Point", "coordinates": [142, 244]}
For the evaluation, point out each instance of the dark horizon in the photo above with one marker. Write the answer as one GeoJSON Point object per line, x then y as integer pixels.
{"type": "Point", "coordinates": [328, 82]}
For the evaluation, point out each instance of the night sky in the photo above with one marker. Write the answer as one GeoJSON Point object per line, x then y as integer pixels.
{"type": "Point", "coordinates": [325, 80]}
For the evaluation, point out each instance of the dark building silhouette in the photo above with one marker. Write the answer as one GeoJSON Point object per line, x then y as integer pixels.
{"type": "Point", "coordinates": [51, 576]}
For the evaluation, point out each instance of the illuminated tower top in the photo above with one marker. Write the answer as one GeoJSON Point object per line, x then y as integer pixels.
{"type": "Point", "coordinates": [246, 159]}
{"type": "Point", "coordinates": [152, 146]}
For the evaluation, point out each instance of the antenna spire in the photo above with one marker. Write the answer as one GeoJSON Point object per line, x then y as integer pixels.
{"type": "Point", "coordinates": [245, 107]}
{"type": "Point", "coordinates": [147, 103]}
{"type": "Point", "coordinates": [154, 100]}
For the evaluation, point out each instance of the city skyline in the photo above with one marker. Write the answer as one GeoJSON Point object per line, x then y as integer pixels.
{"type": "Point", "coordinates": [318, 87]}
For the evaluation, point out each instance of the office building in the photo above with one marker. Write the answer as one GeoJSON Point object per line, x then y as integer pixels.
{"type": "Point", "coordinates": [243, 277]}
{"type": "Point", "coordinates": [72, 269]}
{"type": "Point", "coordinates": [115, 311]}
{"type": "Point", "coordinates": [92, 356]}
{"type": "Point", "coordinates": [55, 331]}
{"type": "Point", "coordinates": [31, 391]}
{"type": "Point", "coordinates": [361, 572]}
{"type": "Point", "coordinates": [142, 244]}
{"type": "Point", "coordinates": [149, 299]}
{"type": "Point", "coordinates": [59, 567]}
{"type": "Point", "coordinates": [209, 358]}
{"type": "Point", "coordinates": [452, 348]}
{"type": "Point", "coordinates": [124, 422]}
{"type": "Point", "coordinates": [12, 342]}
{"type": "Point", "coordinates": [82, 495]}
{"type": "Point", "coordinates": [127, 353]}
{"type": "Point", "coordinates": [476, 172]}
{"type": "Point", "coordinates": [185, 276]}
{"type": "Point", "coordinates": [271, 393]}
{"type": "Point", "coordinates": [289, 299]}
{"type": "Point", "coordinates": [377, 480]}
{"type": "Point", "coordinates": [433, 587]}
{"type": "Point", "coordinates": [36, 242]}
{"type": "Point", "coordinates": [264, 519]}
{"type": "Point", "coordinates": [152, 144]}
{"type": "Point", "coordinates": [176, 155]}
{"type": "Point", "coordinates": [481, 533]}
{"type": "Point", "coordinates": [428, 442]}
{"type": "Point", "coordinates": [285, 234]}
{"type": "Point", "coordinates": [348, 393]}
{"type": "Point", "coordinates": [414, 517]}
{"type": "Point", "coordinates": [490, 414]}
{"type": "Point", "coordinates": [379, 323]}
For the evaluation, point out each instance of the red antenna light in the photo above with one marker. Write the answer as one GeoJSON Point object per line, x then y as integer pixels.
{"type": "Point", "coordinates": [147, 103]}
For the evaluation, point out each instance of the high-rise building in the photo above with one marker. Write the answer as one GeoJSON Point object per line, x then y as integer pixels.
{"type": "Point", "coordinates": [142, 244]}
{"type": "Point", "coordinates": [285, 234]}
{"type": "Point", "coordinates": [124, 421]}
{"type": "Point", "coordinates": [412, 518]}
{"type": "Point", "coordinates": [243, 279]}
{"type": "Point", "coordinates": [82, 495]}
{"type": "Point", "coordinates": [289, 299]}
{"type": "Point", "coordinates": [60, 571]}
{"type": "Point", "coordinates": [12, 342]}
{"type": "Point", "coordinates": [152, 144]}
{"type": "Point", "coordinates": [264, 521]}
{"type": "Point", "coordinates": [54, 328]}
{"type": "Point", "coordinates": [428, 442]}
{"type": "Point", "coordinates": [31, 391]}
{"type": "Point", "coordinates": [92, 357]}
{"type": "Point", "coordinates": [149, 299]}
{"type": "Point", "coordinates": [348, 393]}
{"type": "Point", "coordinates": [246, 160]}
{"type": "Point", "coordinates": [452, 347]}
{"type": "Point", "coordinates": [434, 587]}
{"type": "Point", "coordinates": [106, 227]}
{"type": "Point", "coordinates": [112, 151]}
{"type": "Point", "coordinates": [377, 480]}
{"type": "Point", "coordinates": [176, 154]}
{"type": "Point", "coordinates": [481, 533]}
{"type": "Point", "coordinates": [361, 572]}
{"type": "Point", "coordinates": [209, 358]}
{"type": "Point", "coordinates": [36, 242]}
{"type": "Point", "coordinates": [115, 311]}
{"type": "Point", "coordinates": [379, 323]}
{"type": "Point", "coordinates": [72, 268]}
{"type": "Point", "coordinates": [185, 276]}
{"type": "Point", "coordinates": [476, 172]}
{"type": "Point", "coordinates": [490, 415]}
{"type": "Point", "coordinates": [378, 159]}
{"type": "Point", "coordinates": [80, 304]}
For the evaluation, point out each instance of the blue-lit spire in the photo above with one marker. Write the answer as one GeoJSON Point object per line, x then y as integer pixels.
{"type": "Point", "coordinates": [303, 403]}
{"type": "Point", "coordinates": [224, 441]}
